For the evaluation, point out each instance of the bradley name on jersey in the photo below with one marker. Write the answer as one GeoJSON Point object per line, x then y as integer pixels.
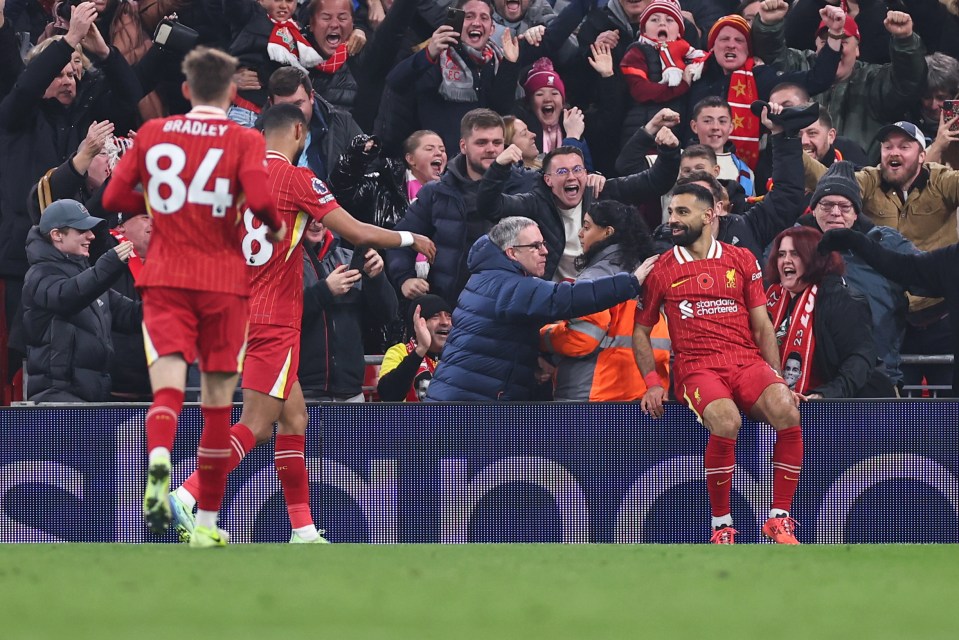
{"type": "Point", "coordinates": [194, 127]}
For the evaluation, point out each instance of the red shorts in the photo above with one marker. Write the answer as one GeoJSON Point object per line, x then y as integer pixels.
{"type": "Point", "coordinates": [185, 321]}
{"type": "Point", "coordinates": [272, 359]}
{"type": "Point", "coordinates": [742, 383]}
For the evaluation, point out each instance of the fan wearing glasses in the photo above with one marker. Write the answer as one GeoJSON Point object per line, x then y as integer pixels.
{"type": "Point", "coordinates": [565, 193]}
{"type": "Point", "coordinates": [837, 204]}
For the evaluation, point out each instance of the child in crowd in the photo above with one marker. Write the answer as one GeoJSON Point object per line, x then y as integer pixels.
{"type": "Point", "coordinates": [660, 66]}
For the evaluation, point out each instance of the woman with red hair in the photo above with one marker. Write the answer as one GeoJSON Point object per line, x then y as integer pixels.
{"type": "Point", "coordinates": [824, 328]}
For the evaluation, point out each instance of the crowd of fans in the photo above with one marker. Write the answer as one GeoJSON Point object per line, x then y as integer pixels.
{"type": "Point", "coordinates": [443, 118]}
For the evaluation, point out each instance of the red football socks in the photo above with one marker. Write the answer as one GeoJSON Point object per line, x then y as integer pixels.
{"type": "Point", "coordinates": [720, 460]}
{"type": "Point", "coordinates": [161, 418]}
{"type": "Point", "coordinates": [242, 441]}
{"type": "Point", "coordinates": [290, 461]}
{"type": "Point", "coordinates": [213, 457]}
{"type": "Point", "coordinates": [787, 463]}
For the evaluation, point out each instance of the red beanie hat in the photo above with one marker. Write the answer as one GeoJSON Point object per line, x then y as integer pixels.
{"type": "Point", "coordinates": [543, 75]}
{"type": "Point", "coordinates": [669, 7]}
{"type": "Point", "coordinates": [736, 22]}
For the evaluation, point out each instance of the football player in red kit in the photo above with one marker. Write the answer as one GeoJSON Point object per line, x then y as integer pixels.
{"type": "Point", "coordinates": [271, 391]}
{"type": "Point", "coordinates": [192, 173]}
{"type": "Point", "coordinates": [726, 356]}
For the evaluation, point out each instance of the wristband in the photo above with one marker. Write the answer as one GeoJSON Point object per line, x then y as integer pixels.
{"type": "Point", "coordinates": [406, 238]}
{"type": "Point", "coordinates": [833, 36]}
{"type": "Point", "coordinates": [652, 379]}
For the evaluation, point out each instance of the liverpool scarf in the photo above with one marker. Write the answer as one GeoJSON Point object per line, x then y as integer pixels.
{"type": "Point", "coordinates": [288, 46]}
{"type": "Point", "coordinates": [457, 73]}
{"type": "Point", "coordinates": [800, 338]}
{"type": "Point", "coordinates": [677, 53]}
{"type": "Point", "coordinates": [742, 93]}
{"type": "Point", "coordinates": [336, 60]}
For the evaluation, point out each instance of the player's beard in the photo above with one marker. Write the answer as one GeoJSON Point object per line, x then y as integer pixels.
{"type": "Point", "coordinates": [295, 160]}
{"type": "Point", "coordinates": [687, 237]}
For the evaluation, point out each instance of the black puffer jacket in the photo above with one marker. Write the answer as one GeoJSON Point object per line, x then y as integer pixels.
{"type": "Point", "coordinates": [446, 211]}
{"type": "Point", "coordinates": [845, 357]}
{"type": "Point", "coordinates": [68, 313]}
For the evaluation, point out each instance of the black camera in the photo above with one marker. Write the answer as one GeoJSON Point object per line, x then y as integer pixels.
{"type": "Point", "coordinates": [66, 7]}
{"type": "Point", "coordinates": [172, 36]}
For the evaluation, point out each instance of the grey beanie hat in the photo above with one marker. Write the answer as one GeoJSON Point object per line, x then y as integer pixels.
{"type": "Point", "coordinates": [839, 180]}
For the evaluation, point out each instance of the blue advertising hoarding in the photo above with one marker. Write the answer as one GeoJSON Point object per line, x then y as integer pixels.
{"type": "Point", "coordinates": [397, 473]}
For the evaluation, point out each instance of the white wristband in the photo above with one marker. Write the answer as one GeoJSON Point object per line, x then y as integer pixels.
{"type": "Point", "coordinates": [406, 238]}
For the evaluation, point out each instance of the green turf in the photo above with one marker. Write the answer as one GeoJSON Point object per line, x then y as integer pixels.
{"type": "Point", "coordinates": [870, 592]}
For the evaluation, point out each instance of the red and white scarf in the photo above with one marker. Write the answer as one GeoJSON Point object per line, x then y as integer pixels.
{"type": "Point", "coordinates": [800, 337]}
{"type": "Point", "coordinates": [288, 46]}
{"type": "Point", "coordinates": [742, 93]}
{"type": "Point", "coordinates": [336, 60]}
{"type": "Point", "coordinates": [136, 262]}
{"type": "Point", "coordinates": [677, 53]}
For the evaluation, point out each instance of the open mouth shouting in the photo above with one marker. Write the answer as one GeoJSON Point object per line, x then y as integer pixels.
{"type": "Point", "coordinates": [436, 166]}
{"type": "Point", "coordinates": [513, 10]}
{"type": "Point", "coordinates": [333, 39]}
{"type": "Point", "coordinates": [549, 113]}
{"type": "Point", "coordinates": [475, 36]}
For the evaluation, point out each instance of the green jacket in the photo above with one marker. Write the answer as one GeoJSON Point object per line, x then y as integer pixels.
{"type": "Point", "coordinates": [873, 96]}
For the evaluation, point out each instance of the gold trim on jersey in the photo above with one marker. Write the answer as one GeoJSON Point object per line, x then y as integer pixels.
{"type": "Point", "coordinates": [297, 232]}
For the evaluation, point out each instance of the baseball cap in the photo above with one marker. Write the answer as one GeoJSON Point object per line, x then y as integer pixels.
{"type": "Point", "coordinates": [849, 28]}
{"type": "Point", "coordinates": [907, 128]}
{"type": "Point", "coordinates": [67, 213]}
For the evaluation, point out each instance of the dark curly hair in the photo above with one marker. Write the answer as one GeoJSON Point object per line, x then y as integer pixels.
{"type": "Point", "coordinates": [630, 232]}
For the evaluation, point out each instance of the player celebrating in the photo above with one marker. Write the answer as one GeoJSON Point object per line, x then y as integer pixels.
{"type": "Point", "coordinates": [271, 391]}
{"type": "Point", "coordinates": [188, 172]}
{"type": "Point", "coordinates": [726, 356]}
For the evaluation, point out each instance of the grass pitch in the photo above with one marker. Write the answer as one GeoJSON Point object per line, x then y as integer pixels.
{"type": "Point", "coordinates": [872, 592]}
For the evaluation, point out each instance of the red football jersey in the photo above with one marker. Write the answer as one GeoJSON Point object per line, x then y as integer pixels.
{"type": "Point", "coordinates": [276, 270]}
{"type": "Point", "coordinates": [707, 304]}
{"type": "Point", "coordinates": [193, 170]}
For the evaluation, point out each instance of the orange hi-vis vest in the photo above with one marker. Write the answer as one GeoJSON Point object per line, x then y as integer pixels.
{"type": "Point", "coordinates": [596, 352]}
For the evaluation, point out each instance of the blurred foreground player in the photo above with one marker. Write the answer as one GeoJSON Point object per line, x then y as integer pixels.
{"type": "Point", "coordinates": [726, 356]}
{"type": "Point", "coordinates": [271, 389]}
{"type": "Point", "coordinates": [189, 173]}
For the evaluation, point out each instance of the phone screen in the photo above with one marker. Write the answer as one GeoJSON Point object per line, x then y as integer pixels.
{"type": "Point", "coordinates": [950, 109]}
{"type": "Point", "coordinates": [455, 18]}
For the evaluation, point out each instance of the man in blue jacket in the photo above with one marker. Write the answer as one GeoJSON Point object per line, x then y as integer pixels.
{"type": "Point", "coordinates": [491, 353]}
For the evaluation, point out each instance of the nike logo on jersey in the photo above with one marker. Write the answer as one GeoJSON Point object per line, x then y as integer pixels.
{"type": "Point", "coordinates": [680, 282]}
{"type": "Point", "coordinates": [722, 482]}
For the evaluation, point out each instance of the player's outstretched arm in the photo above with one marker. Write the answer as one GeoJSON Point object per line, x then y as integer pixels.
{"type": "Point", "coordinates": [368, 235]}
{"type": "Point", "coordinates": [652, 403]}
